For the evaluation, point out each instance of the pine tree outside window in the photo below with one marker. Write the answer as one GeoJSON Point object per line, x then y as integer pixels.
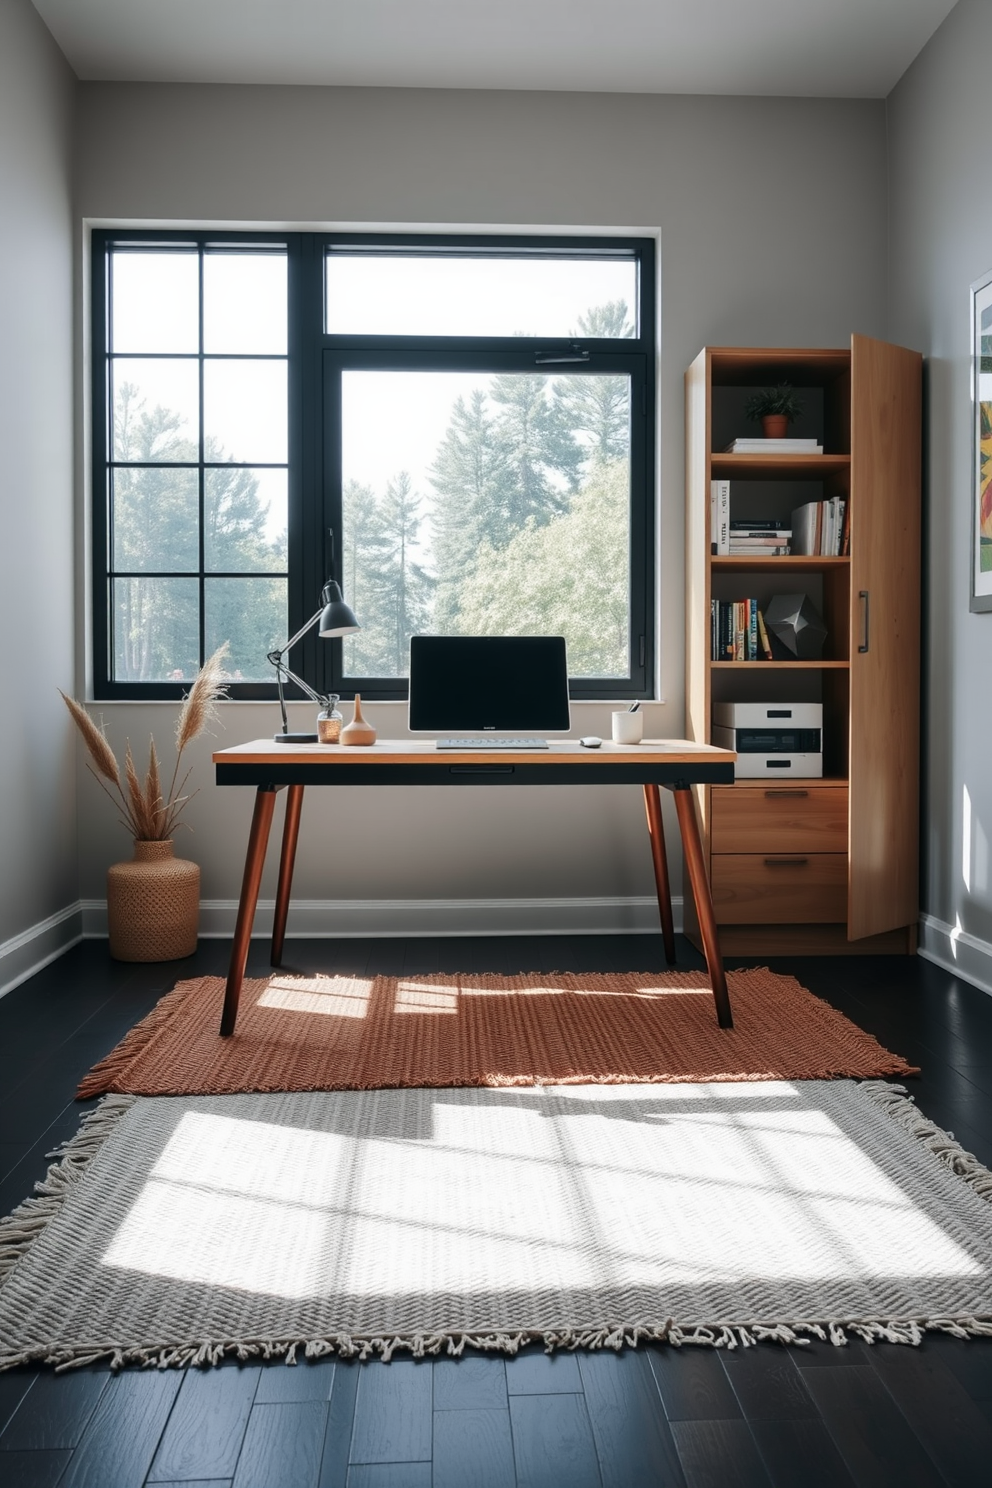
{"type": "Point", "coordinates": [463, 427]}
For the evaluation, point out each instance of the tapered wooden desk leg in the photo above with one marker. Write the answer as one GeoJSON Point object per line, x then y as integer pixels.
{"type": "Point", "coordinates": [693, 849]}
{"type": "Point", "coordinates": [656, 832]}
{"type": "Point", "coordinates": [258, 840]}
{"type": "Point", "coordinates": [290, 833]}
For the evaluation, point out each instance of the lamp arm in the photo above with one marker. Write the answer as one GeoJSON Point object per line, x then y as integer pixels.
{"type": "Point", "coordinates": [282, 671]}
{"type": "Point", "coordinates": [275, 658]}
{"type": "Point", "coordinates": [280, 651]}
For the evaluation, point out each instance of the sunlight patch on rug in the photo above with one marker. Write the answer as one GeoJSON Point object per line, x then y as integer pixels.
{"type": "Point", "coordinates": [342, 997]}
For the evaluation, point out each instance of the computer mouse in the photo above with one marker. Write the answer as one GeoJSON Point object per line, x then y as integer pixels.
{"type": "Point", "coordinates": [590, 742]}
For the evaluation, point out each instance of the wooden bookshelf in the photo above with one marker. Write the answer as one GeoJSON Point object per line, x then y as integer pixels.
{"type": "Point", "coordinates": [848, 879]}
{"type": "Point", "coordinates": [798, 563]}
{"type": "Point", "coordinates": [778, 467]}
{"type": "Point", "coordinates": [781, 666]}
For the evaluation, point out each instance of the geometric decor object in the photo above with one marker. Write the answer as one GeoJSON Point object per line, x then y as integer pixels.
{"type": "Point", "coordinates": [795, 621]}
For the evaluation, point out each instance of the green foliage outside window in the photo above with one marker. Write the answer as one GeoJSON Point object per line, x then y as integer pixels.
{"type": "Point", "coordinates": [156, 527]}
{"type": "Point", "coordinates": [526, 522]}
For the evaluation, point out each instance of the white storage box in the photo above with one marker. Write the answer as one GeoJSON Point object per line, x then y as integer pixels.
{"type": "Point", "coordinates": [774, 766]}
{"type": "Point", "coordinates": [768, 715]}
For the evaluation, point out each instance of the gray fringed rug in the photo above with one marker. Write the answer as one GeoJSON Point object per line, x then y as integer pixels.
{"type": "Point", "coordinates": [175, 1230]}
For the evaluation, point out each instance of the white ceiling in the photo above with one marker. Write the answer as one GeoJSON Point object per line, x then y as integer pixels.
{"type": "Point", "coordinates": [818, 48]}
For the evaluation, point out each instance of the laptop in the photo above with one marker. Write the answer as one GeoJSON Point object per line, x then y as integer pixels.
{"type": "Point", "coordinates": [489, 692]}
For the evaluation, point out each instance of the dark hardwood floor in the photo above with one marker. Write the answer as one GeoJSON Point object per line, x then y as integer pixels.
{"type": "Point", "coordinates": [777, 1417]}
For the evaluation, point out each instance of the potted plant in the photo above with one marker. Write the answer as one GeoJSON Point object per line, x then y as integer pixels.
{"type": "Point", "coordinates": [775, 408]}
{"type": "Point", "coordinates": [153, 902]}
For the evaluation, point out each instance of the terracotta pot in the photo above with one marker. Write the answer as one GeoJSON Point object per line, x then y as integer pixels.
{"type": "Point", "coordinates": [358, 731]}
{"type": "Point", "coordinates": [775, 425]}
{"type": "Point", "coordinates": [153, 905]}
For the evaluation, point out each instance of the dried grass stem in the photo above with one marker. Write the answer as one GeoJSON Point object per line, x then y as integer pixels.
{"type": "Point", "coordinates": [147, 813]}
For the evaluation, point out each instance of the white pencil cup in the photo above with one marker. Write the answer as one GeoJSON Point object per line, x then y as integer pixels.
{"type": "Point", "coordinates": [628, 727]}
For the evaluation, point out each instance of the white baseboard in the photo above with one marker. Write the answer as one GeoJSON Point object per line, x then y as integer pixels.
{"type": "Point", "coordinates": [36, 947]}
{"type": "Point", "coordinates": [339, 918]}
{"type": "Point", "coordinates": [955, 950]}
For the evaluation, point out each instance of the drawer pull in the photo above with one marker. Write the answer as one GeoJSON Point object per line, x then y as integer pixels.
{"type": "Point", "coordinates": [798, 794]}
{"type": "Point", "coordinates": [786, 862]}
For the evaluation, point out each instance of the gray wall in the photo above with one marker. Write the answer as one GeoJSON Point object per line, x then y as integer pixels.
{"type": "Point", "coordinates": [38, 799]}
{"type": "Point", "coordinates": [772, 218]}
{"type": "Point", "coordinates": [941, 241]}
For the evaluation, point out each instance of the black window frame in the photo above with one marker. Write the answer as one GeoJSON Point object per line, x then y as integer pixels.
{"type": "Point", "coordinates": [315, 362]}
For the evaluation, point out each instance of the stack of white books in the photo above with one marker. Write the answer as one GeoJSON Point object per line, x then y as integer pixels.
{"type": "Point", "coordinates": [774, 447]}
{"type": "Point", "coordinates": [759, 539]}
{"type": "Point", "coordinates": [819, 528]}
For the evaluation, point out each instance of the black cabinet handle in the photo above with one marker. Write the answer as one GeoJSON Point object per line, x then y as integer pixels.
{"type": "Point", "coordinates": [786, 862]}
{"type": "Point", "coordinates": [792, 795]}
{"type": "Point", "coordinates": [863, 596]}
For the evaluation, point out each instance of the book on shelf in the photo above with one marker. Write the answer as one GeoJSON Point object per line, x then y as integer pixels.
{"type": "Point", "coordinates": [819, 527]}
{"type": "Point", "coordinates": [766, 540]}
{"type": "Point", "coordinates": [756, 446]}
{"type": "Point", "coordinates": [738, 631]}
{"type": "Point", "coordinates": [759, 550]}
{"type": "Point", "coordinates": [845, 532]}
{"type": "Point", "coordinates": [721, 636]}
{"type": "Point", "coordinates": [719, 516]}
{"type": "Point", "coordinates": [759, 527]}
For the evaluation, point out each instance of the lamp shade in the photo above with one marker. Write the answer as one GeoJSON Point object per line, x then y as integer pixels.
{"type": "Point", "coordinates": [337, 618]}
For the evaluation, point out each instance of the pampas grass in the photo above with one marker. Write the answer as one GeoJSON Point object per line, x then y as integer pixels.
{"type": "Point", "coordinates": [147, 813]}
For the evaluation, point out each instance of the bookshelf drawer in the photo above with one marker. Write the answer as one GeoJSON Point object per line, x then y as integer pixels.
{"type": "Point", "coordinates": [775, 888]}
{"type": "Point", "coordinates": [777, 819]}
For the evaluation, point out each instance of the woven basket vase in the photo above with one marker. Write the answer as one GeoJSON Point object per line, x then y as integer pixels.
{"type": "Point", "coordinates": [153, 905]}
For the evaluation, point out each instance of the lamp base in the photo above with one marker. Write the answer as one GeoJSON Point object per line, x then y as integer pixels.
{"type": "Point", "coordinates": [295, 738]}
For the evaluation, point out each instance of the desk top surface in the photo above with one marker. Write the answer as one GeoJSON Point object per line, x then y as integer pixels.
{"type": "Point", "coordinates": [560, 752]}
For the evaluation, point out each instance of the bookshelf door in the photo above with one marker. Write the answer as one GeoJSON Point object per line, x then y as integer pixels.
{"type": "Point", "coordinates": [883, 884]}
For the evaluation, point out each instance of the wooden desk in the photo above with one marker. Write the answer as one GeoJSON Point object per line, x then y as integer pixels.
{"type": "Point", "coordinates": [673, 763]}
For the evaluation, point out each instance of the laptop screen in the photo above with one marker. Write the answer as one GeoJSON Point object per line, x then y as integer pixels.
{"type": "Point", "coordinates": [488, 684]}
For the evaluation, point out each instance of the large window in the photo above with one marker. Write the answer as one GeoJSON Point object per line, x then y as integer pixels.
{"type": "Point", "coordinates": [460, 429]}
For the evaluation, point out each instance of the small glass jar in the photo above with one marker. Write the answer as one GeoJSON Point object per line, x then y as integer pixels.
{"type": "Point", "coordinates": [329, 722]}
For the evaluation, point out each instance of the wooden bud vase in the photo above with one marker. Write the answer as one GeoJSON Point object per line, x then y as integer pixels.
{"type": "Point", "coordinates": [153, 905]}
{"type": "Point", "coordinates": [358, 731]}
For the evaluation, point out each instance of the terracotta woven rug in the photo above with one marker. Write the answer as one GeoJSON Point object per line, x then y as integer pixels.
{"type": "Point", "coordinates": [352, 1033]}
{"type": "Point", "coordinates": [361, 1222]}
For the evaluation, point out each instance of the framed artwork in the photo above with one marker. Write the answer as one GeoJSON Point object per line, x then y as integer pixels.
{"type": "Point", "coordinates": [981, 382]}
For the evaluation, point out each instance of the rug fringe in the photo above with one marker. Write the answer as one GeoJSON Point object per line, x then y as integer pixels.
{"type": "Point", "coordinates": [101, 1077]}
{"type": "Point", "coordinates": [901, 1108]}
{"type": "Point", "coordinates": [910, 1331]}
{"type": "Point", "coordinates": [20, 1229]}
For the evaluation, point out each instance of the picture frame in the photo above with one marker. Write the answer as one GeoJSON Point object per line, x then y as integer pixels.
{"type": "Point", "coordinates": [981, 395]}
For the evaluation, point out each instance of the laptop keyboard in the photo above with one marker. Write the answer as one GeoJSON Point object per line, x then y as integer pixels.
{"type": "Point", "coordinates": [488, 741]}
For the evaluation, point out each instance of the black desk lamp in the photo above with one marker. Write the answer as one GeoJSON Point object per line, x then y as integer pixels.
{"type": "Point", "coordinates": [336, 619]}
